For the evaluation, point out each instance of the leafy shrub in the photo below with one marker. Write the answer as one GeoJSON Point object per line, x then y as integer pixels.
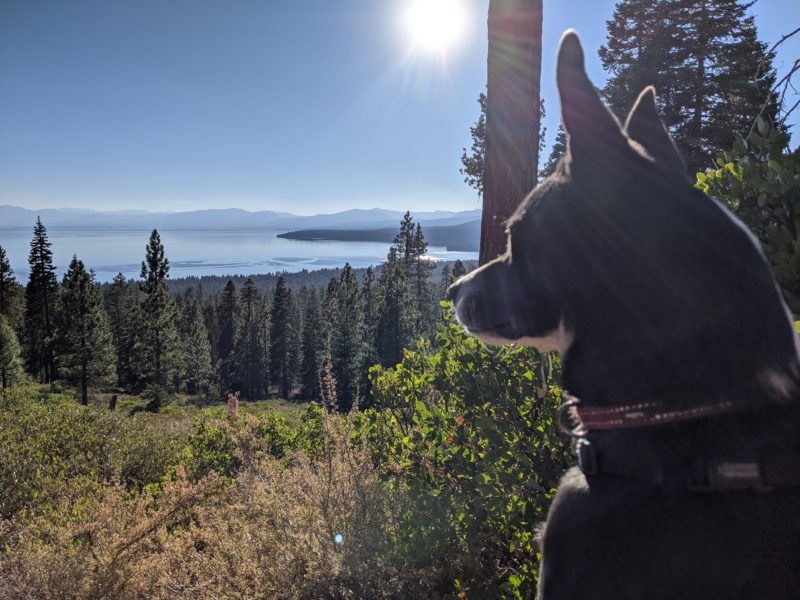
{"type": "Point", "coordinates": [759, 180]}
{"type": "Point", "coordinates": [51, 446]}
{"type": "Point", "coordinates": [225, 444]}
{"type": "Point", "coordinates": [471, 435]}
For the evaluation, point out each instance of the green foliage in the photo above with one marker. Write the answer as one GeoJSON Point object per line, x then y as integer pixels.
{"type": "Point", "coordinates": [251, 335]}
{"type": "Point", "coordinates": [283, 350]}
{"type": "Point", "coordinates": [157, 340]}
{"type": "Point", "coordinates": [10, 359]}
{"type": "Point", "coordinates": [347, 340]}
{"type": "Point", "coordinates": [471, 434]}
{"type": "Point", "coordinates": [759, 180]}
{"type": "Point", "coordinates": [83, 336]}
{"type": "Point", "coordinates": [8, 287]}
{"type": "Point", "coordinates": [40, 304]}
{"type": "Point", "coordinates": [472, 162]}
{"type": "Point", "coordinates": [221, 444]}
{"type": "Point", "coordinates": [197, 371]}
{"type": "Point", "coordinates": [50, 446]}
{"type": "Point", "coordinates": [712, 74]}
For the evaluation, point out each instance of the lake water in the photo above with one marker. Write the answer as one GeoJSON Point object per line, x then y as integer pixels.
{"type": "Point", "coordinates": [199, 252]}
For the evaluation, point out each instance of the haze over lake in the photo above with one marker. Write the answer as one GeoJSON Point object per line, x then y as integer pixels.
{"type": "Point", "coordinates": [198, 252]}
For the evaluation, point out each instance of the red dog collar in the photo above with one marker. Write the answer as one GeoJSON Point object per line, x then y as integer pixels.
{"type": "Point", "coordinates": [628, 416]}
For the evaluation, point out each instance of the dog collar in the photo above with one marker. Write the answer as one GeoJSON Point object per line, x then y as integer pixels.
{"type": "Point", "coordinates": [629, 416]}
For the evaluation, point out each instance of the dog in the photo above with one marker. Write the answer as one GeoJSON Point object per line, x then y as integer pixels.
{"type": "Point", "coordinates": [679, 356]}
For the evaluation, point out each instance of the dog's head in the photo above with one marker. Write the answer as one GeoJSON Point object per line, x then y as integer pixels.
{"type": "Point", "coordinates": [617, 253]}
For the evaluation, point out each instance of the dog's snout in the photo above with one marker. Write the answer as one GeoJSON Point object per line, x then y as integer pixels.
{"type": "Point", "coordinates": [452, 292]}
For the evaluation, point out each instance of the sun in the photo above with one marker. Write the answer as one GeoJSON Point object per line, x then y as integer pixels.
{"type": "Point", "coordinates": [435, 26]}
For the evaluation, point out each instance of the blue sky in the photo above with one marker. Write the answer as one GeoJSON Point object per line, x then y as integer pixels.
{"type": "Point", "coordinates": [300, 106]}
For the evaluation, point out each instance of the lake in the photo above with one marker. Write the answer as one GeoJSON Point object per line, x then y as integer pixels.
{"type": "Point", "coordinates": [199, 253]}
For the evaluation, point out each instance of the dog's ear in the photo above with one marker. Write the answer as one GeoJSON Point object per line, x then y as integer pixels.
{"type": "Point", "coordinates": [645, 127]}
{"type": "Point", "coordinates": [590, 124]}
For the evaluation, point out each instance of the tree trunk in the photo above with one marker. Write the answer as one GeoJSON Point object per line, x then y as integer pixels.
{"type": "Point", "coordinates": [84, 386]}
{"type": "Point", "coordinates": [512, 115]}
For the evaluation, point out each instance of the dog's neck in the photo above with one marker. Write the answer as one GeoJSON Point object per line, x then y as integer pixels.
{"type": "Point", "coordinates": [610, 366]}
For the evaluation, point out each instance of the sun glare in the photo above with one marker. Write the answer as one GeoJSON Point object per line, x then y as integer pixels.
{"type": "Point", "coordinates": [435, 25]}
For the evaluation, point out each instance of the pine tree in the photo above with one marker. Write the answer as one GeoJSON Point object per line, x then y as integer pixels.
{"type": "Point", "coordinates": [158, 334]}
{"type": "Point", "coordinates": [312, 346]}
{"type": "Point", "coordinates": [197, 371]}
{"type": "Point", "coordinates": [421, 270]}
{"type": "Point", "coordinates": [459, 270]}
{"type": "Point", "coordinates": [83, 336]}
{"type": "Point", "coordinates": [8, 284]}
{"type": "Point", "coordinates": [247, 346]}
{"type": "Point", "coordinates": [472, 162]}
{"type": "Point", "coordinates": [347, 340]}
{"type": "Point", "coordinates": [281, 339]}
{"type": "Point", "coordinates": [227, 320]}
{"type": "Point", "coordinates": [370, 306]}
{"type": "Point", "coordinates": [395, 321]}
{"type": "Point", "coordinates": [123, 315]}
{"type": "Point", "coordinates": [558, 150]}
{"type": "Point", "coordinates": [702, 56]}
{"type": "Point", "coordinates": [40, 302]}
{"type": "Point", "coordinates": [10, 360]}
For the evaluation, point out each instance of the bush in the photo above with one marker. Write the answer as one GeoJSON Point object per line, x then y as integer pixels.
{"type": "Point", "coordinates": [271, 533]}
{"type": "Point", "coordinates": [50, 446]}
{"type": "Point", "coordinates": [759, 180]}
{"type": "Point", "coordinates": [471, 435]}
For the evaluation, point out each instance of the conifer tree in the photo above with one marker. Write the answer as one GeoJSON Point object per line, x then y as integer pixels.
{"type": "Point", "coordinates": [346, 343]}
{"type": "Point", "coordinates": [123, 315]}
{"type": "Point", "coordinates": [158, 334]}
{"type": "Point", "coordinates": [445, 280]}
{"type": "Point", "coordinates": [227, 314]}
{"type": "Point", "coordinates": [211, 318]}
{"type": "Point", "coordinates": [459, 270]}
{"type": "Point", "coordinates": [40, 302]}
{"type": "Point", "coordinates": [281, 339]}
{"type": "Point", "coordinates": [329, 308]}
{"type": "Point", "coordinates": [394, 331]}
{"type": "Point", "coordinates": [370, 306]}
{"type": "Point", "coordinates": [421, 270]}
{"type": "Point", "coordinates": [83, 337]}
{"type": "Point", "coordinates": [247, 346]}
{"type": "Point", "coordinates": [8, 284]}
{"type": "Point", "coordinates": [10, 360]}
{"type": "Point", "coordinates": [197, 371]}
{"type": "Point", "coordinates": [227, 320]}
{"type": "Point", "coordinates": [558, 150]}
{"type": "Point", "coordinates": [702, 56]}
{"type": "Point", "coordinates": [312, 346]}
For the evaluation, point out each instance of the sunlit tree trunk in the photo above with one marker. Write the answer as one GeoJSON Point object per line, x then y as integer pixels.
{"type": "Point", "coordinates": [512, 115]}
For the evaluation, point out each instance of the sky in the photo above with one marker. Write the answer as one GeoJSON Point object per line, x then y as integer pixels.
{"type": "Point", "coordinates": [300, 106]}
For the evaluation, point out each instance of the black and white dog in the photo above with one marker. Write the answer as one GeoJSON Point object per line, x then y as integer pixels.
{"type": "Point", "coordinates": [679, 355]}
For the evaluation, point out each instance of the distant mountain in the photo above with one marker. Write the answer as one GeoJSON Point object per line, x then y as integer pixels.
{"type": "Point", "coordinates": [463, 237]}
{"type": "Point", "coordinates": [222, 219]}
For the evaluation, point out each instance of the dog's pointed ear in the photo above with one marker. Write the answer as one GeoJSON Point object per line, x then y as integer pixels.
{"type": "Point", "coordinates": [589, 123]}
{"type": "Point", "coordinates": [645, 127]}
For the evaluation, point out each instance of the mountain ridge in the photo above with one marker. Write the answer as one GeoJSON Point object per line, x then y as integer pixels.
{"type": "Point", "coordinates": [12, 217]}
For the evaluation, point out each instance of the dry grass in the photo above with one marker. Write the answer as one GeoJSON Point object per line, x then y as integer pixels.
{"type": "Point", "coordinates": [271, 533]}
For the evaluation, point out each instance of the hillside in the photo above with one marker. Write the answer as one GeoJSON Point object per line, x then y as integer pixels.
{"type": "Point", "coordinates": [463, 237]}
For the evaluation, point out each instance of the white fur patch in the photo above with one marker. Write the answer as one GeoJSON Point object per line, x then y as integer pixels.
{"type": "Point", "coordinates": [559, 339]}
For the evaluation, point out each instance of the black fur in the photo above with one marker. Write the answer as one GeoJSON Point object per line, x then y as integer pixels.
{"type": "Point", "coordinates": [653, 292]}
